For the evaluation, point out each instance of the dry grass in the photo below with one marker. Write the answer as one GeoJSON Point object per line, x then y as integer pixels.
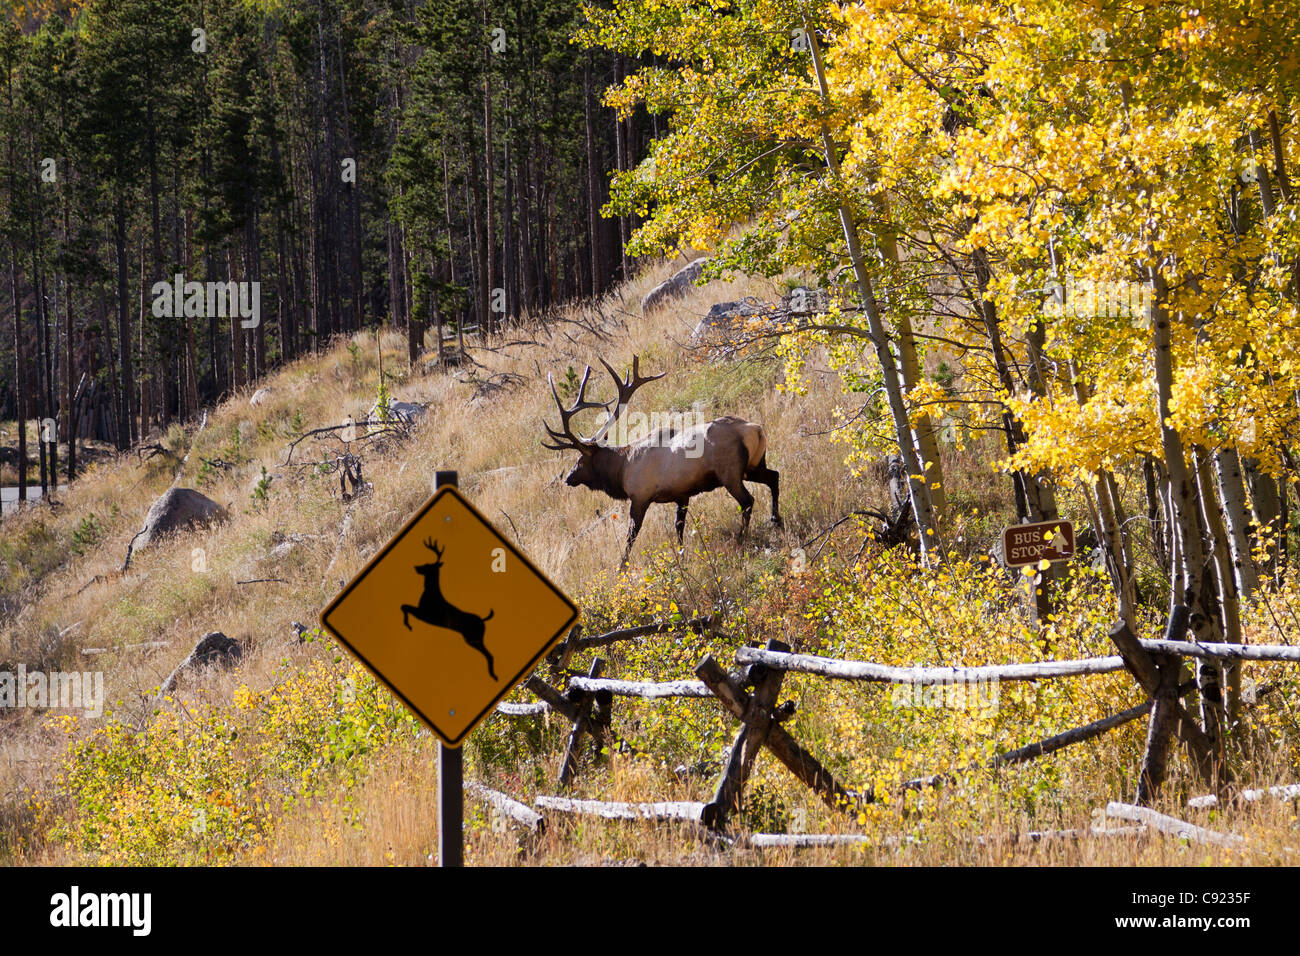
{"type": "Point", "coordinates": [65, 610]}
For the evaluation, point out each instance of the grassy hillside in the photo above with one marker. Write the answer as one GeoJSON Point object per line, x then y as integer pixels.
{"type": "Point", "coordinates": [296, 756]}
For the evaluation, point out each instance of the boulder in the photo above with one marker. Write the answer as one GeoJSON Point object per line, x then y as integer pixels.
{"type": "Point", "coordinates": [673, 287]}
{"type": "Point", "coordinates": [802, 300]}
{"type": "Point", "coordinates": [177, 510]}
{"type": "Point", "coordinates": [726, 320]}
{"type": "Point", "coordinates": [214, 649]}
{"type": "Point", "coordinates": [397, 412]}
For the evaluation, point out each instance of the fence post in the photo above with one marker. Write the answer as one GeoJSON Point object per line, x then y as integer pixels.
{"type": "Point", "coordinates": [582, 703]}
{"type": "Point", "coordinates": [755, 725]}
{"type": "Point", "coordinates": [784, 747]}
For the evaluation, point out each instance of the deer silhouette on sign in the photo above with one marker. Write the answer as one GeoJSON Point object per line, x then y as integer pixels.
{"type": "Point", "coordinates": [436, 610]}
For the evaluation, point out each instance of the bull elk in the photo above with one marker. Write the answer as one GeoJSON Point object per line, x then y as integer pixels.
{"type": "Point", "coordinates": [667, 465]}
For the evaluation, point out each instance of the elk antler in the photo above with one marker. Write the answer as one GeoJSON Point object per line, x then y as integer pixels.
{"type": "Point", "coordinates": [625, 388]}
{"type": "Point", "coordinates": [433, 546]}
{"type": "Point", "coordinates": [566, 438]}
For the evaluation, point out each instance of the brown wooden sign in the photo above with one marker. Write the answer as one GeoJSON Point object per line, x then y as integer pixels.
{"type": "Point", "coordinates": [1025, 544]}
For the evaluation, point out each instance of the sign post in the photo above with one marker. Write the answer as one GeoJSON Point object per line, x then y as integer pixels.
{"type": "Point", "coordinates": [449, 616]}
{"type": "Point", "coordinates": [451, 767]}
{"type": "Point", "coordinates": [1025, 545]}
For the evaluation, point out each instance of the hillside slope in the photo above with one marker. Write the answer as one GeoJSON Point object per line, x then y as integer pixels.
{"type": "Point", "coordinates": [296, 756]}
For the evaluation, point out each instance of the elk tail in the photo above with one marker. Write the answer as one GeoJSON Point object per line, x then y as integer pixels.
{"type": "Point", "coordinates": [490, 613]}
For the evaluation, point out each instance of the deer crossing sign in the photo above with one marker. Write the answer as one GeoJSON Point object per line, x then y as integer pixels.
{"type": "Point", "coordinates": [449, 615]}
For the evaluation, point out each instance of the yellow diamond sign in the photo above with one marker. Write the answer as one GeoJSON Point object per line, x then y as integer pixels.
{"type": "Point", "coordinates": [449, 615]}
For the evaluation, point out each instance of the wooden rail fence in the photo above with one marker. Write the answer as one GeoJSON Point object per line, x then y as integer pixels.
{"type": "Point", "coordinates": [751, 696]}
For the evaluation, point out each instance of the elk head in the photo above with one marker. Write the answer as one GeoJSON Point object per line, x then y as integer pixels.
{"type": "Point", "coordinates": [588, 469]}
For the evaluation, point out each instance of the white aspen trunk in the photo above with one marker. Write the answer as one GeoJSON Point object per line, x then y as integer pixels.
{"type": "Point", "coordinates": [922, 507]}
{"type": "Point", "coordinates": [1184, 508]}
{"type": "Point", "coordinates": [1232, 494]}
{"type": "Point", "coordinates": [909, 366]}
{"type": "Point", "coordinates": [1229, 605]}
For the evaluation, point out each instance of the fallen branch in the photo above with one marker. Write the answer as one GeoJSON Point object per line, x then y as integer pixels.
{"type": "Point", "coordinates": [519, 812]}
{"type": "Point", "coordinates": [399, 426]}
{"type": "Point", "coordinates": [809, 841]}
{"type": "Point", "coordinates": [147, 645]}
{"type": "Point", "coordinates": [129, 548]}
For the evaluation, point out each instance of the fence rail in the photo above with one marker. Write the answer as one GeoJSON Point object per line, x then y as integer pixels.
{"type": "Point", "coordinates": [1229, 652]}
{"type": "Point", "coordinates": [644, 689]}
{"type": "Point", "coordinates": [884, 673]}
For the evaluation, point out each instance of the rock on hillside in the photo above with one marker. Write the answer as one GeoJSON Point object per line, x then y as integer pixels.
{"type": "Point", "coordinates": [397, 411]}
{"type": "Point", "coordinates": [673, 287]}
{"type": "Point", "coordinates": [726, 321]}
{"type": "Point", "coordinates": [176, 510]}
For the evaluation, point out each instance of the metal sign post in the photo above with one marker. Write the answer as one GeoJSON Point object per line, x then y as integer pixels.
{"type": "Point", "coordinates": [451, 769]}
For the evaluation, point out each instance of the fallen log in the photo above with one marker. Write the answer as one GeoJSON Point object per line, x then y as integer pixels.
{"type": "Point", "coordinates": [865, 671]}
{"type": "Point", "coordinates": [1171, 825]}
{"type": "Point", "coordinates": [521, 813]}
{"type": "Point", "coordinates": [1288, 792]}
{"type": "Point", "coordinates": [807, 841]}
{"type": "Point", "coordinates": [666, 810]}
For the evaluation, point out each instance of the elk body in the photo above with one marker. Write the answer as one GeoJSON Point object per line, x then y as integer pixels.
{"type": "Point", "coordinates": [436, 610]}
{"type": "Point", "coordinates": [667, 466]}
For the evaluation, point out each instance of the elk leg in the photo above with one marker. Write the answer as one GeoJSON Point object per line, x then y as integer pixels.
{"type": "Point", "coordinates": [772, 478]}
{"type": "Point", "coordinates": [406, 615]}
{"type": "Point", "coordinates": [742, 495]}
{"type": "Point", "coordinates": [638, 515]}
{"type": "Point", "coordinates": [681, 520]}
